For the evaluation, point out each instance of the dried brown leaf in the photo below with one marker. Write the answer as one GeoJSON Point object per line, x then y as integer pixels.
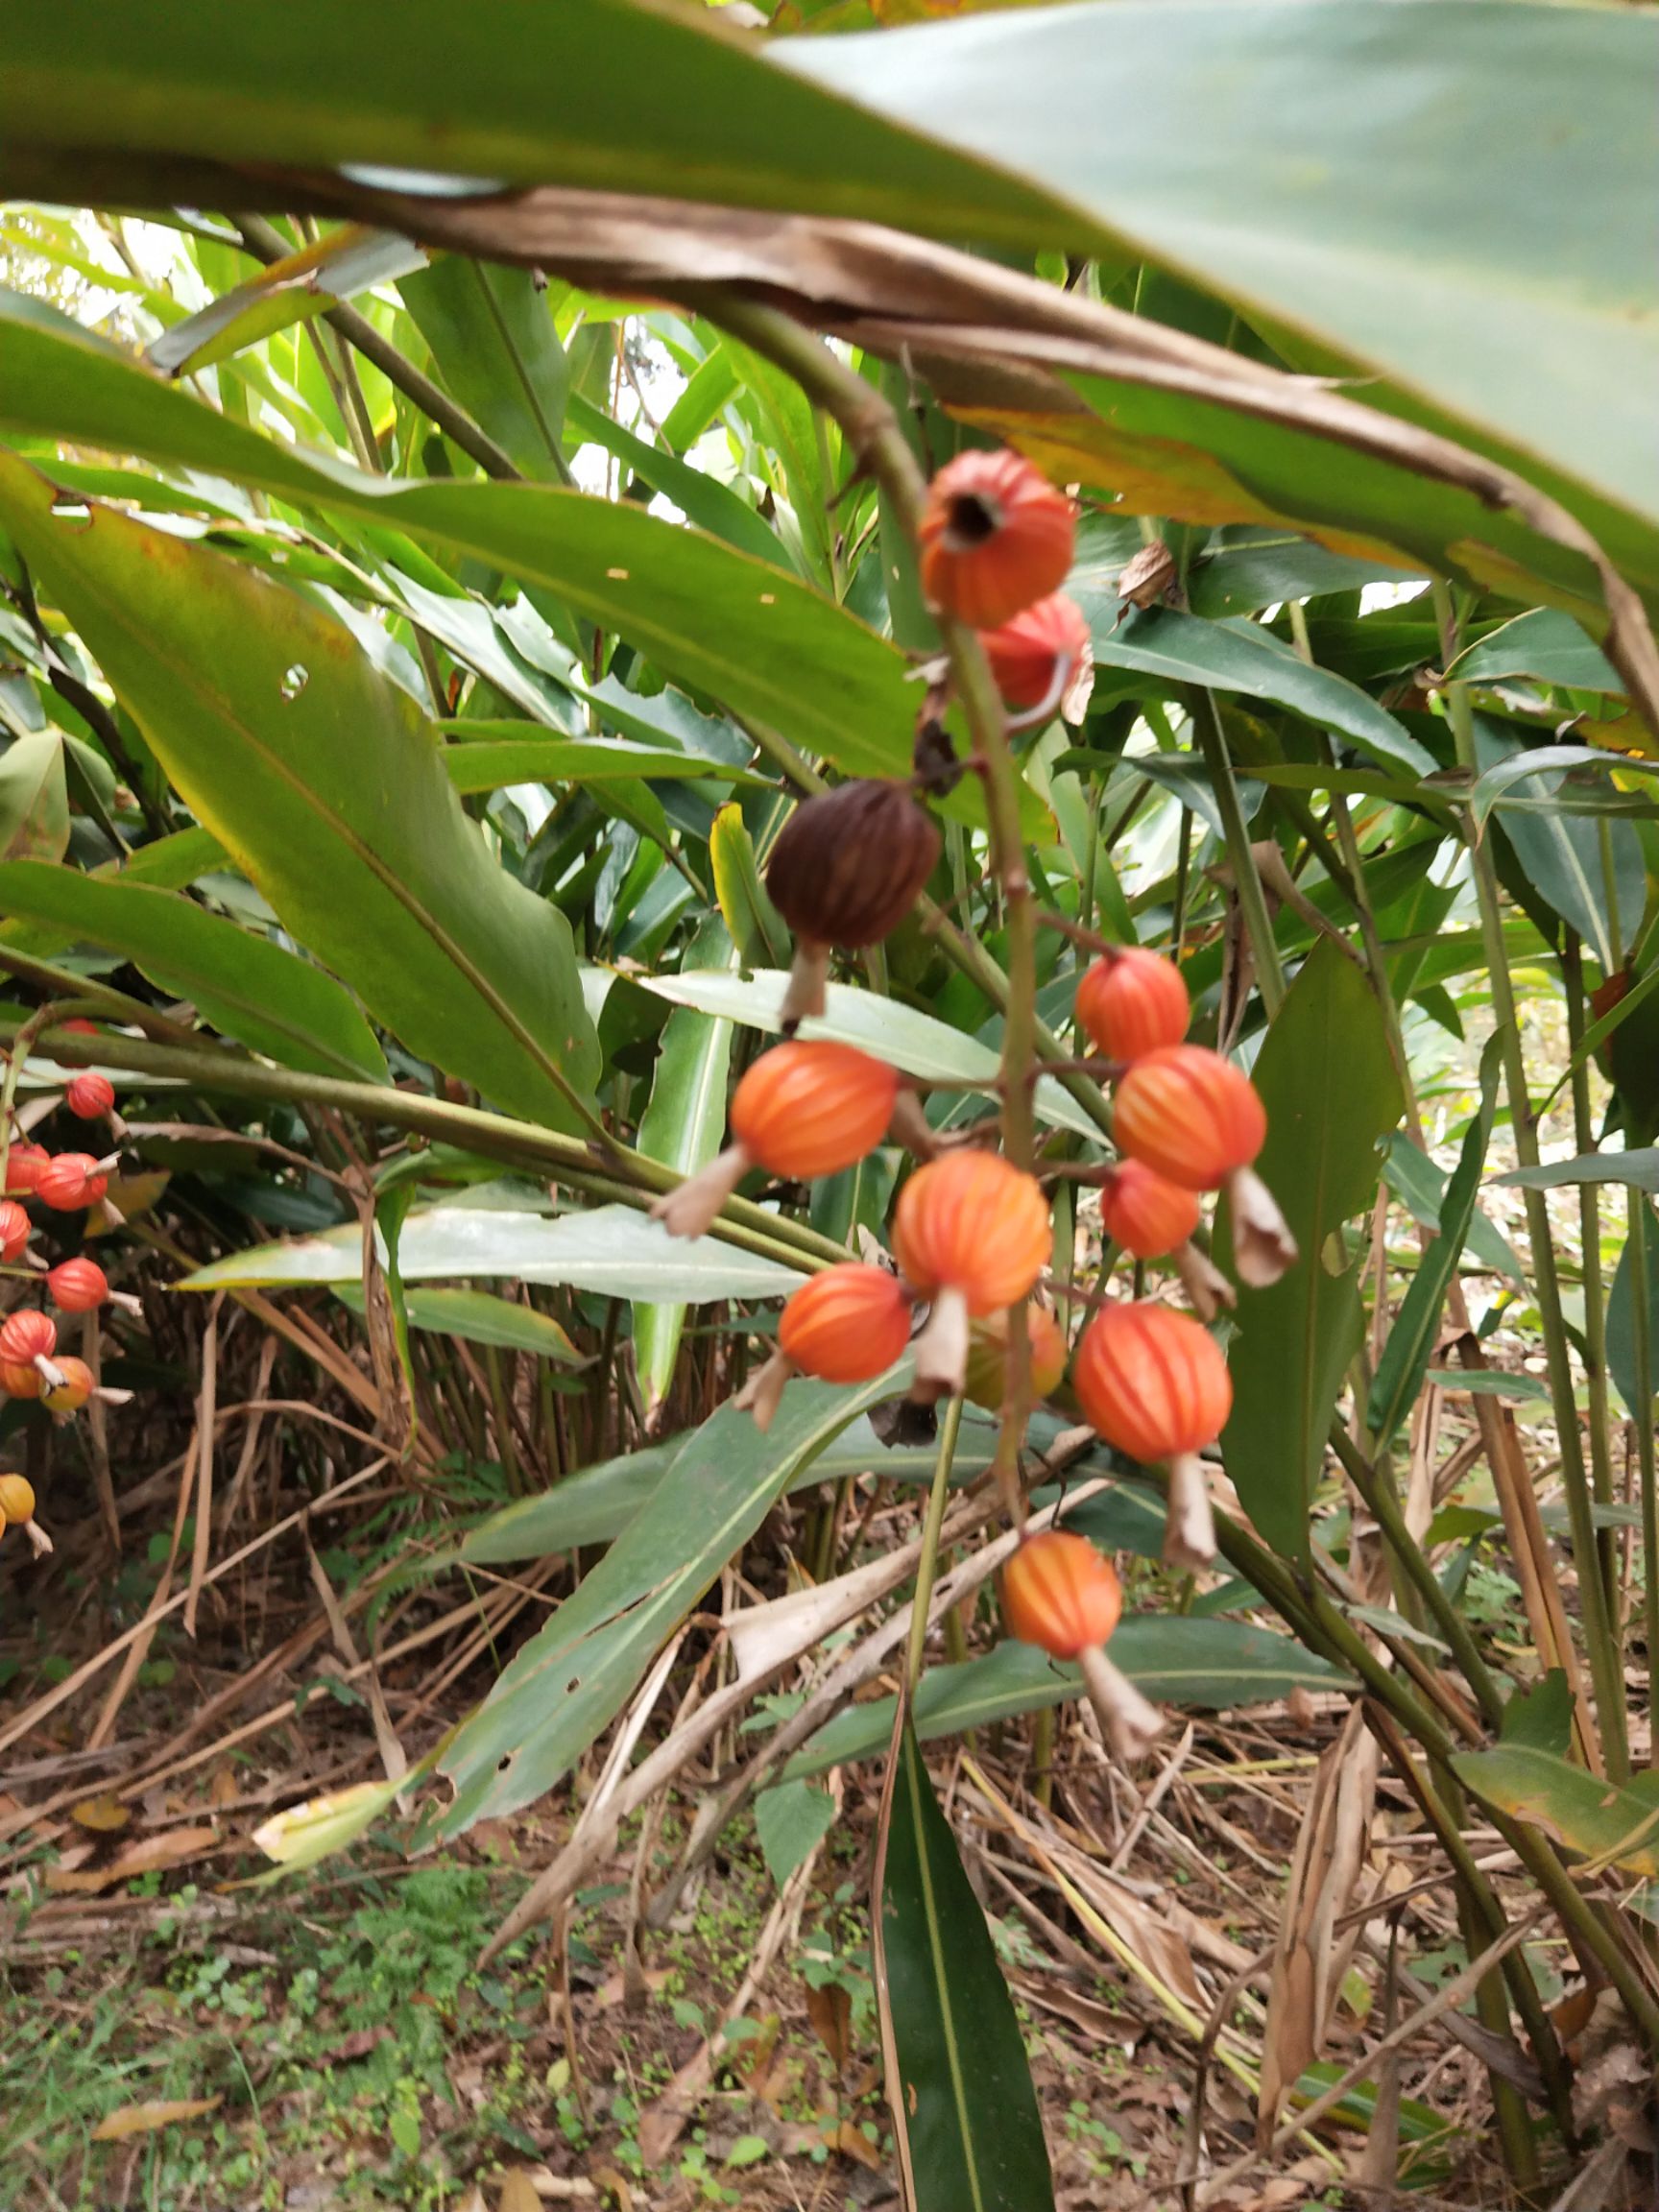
{"type": "Point", "coordinates": [1313, 1950]}
{"type": "Point", "coordinates": [830, 2009]}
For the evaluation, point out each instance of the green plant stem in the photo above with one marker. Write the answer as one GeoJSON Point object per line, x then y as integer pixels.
{"type": "Point", "coordinates": [1236, 835]}
{"type": "Point", "coordinates": [1606, 1663]}
{"type": "Point", "coordinates": [1595, 1293]}
{"type": "Point", "coordinates": [624, 1175]}
{"type": "Point", "coordinates": [928, 1565]}
{"type": "Point", "coordinates": [1642, 1419]}
{"type": "Point", "coordinates": [267, 245]}
{"type": "Point", "coordinates": [1380, 1501]}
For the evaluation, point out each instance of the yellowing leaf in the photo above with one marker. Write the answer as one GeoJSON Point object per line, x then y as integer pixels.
{"type": "Point", "coordinates": [146, 2118]}
{"type": "Point", "coordinates": [306, 1833]}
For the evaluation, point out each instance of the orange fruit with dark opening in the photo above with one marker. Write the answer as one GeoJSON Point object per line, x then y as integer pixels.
{"type": "Point", "coordinates": [996, 537]}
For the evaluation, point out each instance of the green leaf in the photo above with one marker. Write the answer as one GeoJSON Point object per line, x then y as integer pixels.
{"type": "Point", "coordinates": [755, 925]}
{"type": "Point", "coordinates": [610, 1250]}
{"type": "Point", "coordinates": [916, 1043]}
{"type": "Point", "coordinates": [493, 753]}
{"type": "Point", "coordinates": [1332, 1095]}
{"type": "Point", "coordinates": [33, 802]}
{"type": "Point", "coordinates": [348, 260]}
{"type": "Point", "coordinates": [1583, 1811]}
{"type": "Point", "coordinates": [649, 101]}
{"type": "Point", "coordinates": [575, 1675]}
{"type": "Point", "coordinates": [1540, 1715]}
{"type": "Point", "coordinates": [479, 1319]}
{"type": "Point", "coordinates": [1466, 211]}
{"type": "Point", "coordinates": [1420, 1185]}
{"type": "Point", "coordinates": [1639, 1169]}
{"type": "Point", "coordinates": [682, 1124]}
{"type": "Point", "coordinates": [1517, 762]}
{"type": "Point", "coordinates": [963, 2094]}
{"type": "Point", "coordinates": [1621, 1315]}
{"type": "Point", "coordinates": [1243, 569]}
{"type": "Point", "coordinates": [242, 983]}
{"type": "Point", "coordinates": [325, 783]}
{"type": "Point", "coordinates": [1176, 1660]}
{"type": "Point", "coordinates": [495, 351]}
{"type": "Point", "coordinates": [1412, 1340]}
{"type": "Point", "coordinates": [791, 1819]}
{"type": "Point", "coordinates": [779, 653]}
{"type": "Point", "coordinates": [1175, 455]}
{"type": "Point", "coordinates": [594, 1504]}
{"type": "Point", "coordinates": [1242, 657]}
{"type": "Point", "coordinates": [704, 501]}
{"type": "Point", "coordinates": [1543, 643]}
{"type": "Point", "coordinates": [1488, 1382]}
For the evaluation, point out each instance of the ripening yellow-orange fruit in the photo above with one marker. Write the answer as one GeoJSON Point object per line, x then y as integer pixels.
{"type": "Point", "coordinates": [1144, 1213]}
{"type": "Point", "coordinates": [16, 1500]}
{"type": "Point", "coordinates": [988, 1356]}
{"type": "Point", "coordinates": [1190, 1115]}
{"type": "Point", "coordinates": [1151, 1381]}
{"type": "Point", "coordinates": [1059, 1594]}
{"type": "Point", "coordinates": [996, 537]}
{"type": "Point", "coordinates": [73, 1392]}
{"type": "Point", "coordinates": [1131, 1002]}
{"type": "Point", "coordinates": [846, 1325]}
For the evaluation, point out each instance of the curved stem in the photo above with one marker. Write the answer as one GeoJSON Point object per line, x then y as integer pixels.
{"type": "Point", "coordinates": [927, 1566]}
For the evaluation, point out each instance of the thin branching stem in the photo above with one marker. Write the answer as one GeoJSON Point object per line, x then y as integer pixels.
{"type": "Point", "coordinates": [1607, 1662]}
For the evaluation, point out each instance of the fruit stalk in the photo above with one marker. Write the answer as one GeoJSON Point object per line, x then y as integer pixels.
{"type": "Point", "coordinates": [874, 433]}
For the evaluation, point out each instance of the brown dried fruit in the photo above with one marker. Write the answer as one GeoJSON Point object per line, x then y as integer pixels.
{"type": "Point", "coordinates": [846, 870]}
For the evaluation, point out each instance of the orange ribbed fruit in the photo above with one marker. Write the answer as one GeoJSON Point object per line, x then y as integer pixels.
{"type": "Point", "coordinates": [1134, 1001]}
{"type": "Point", "coordinates": [15, 1228]}
{"type": "Point", "coordinates": [1190, 1115]}
{"type": "Point", "coordinates": [78, 1286]}
{"type": "Point", "coordinates": [1151, 1381]}
{"type": "Point", "coordinates": [90, 1095]}
{"type": "Point", "coordinates": [1144, 1211]}
{"type": "Point", "coordinates": [69, 1181]}
{"type": "Point", "coordinates": [1059, 1594]}
{"type": "Point", "coordinates": [24, 1164]}
{"type": "Point", "coordinates": [19, 1380]}
{"type": "Point", "coordinates": [847, 1325]}
{"type": "Point", "coordinates": [974, 1223]}
{"type": "Point", "coordinates": [807, 1110]}
{"type": "Point", "coordinates": [995, 538]}
{"type": "Point", "coordinates": [28, 1335]}
{"type": "Point", "coordinates": [1035, 655]}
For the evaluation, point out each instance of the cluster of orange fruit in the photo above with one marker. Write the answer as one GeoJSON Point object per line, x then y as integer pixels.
{"type": "Point", "coordinates": [971, 1232]}
{"type": "Point", "coordinates": [31, 1364]}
